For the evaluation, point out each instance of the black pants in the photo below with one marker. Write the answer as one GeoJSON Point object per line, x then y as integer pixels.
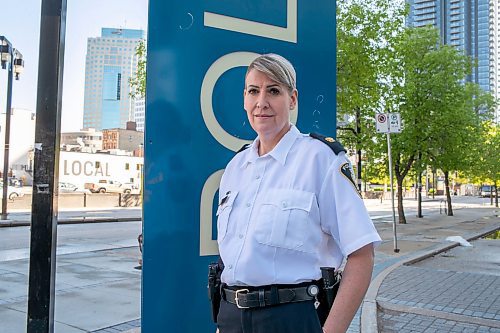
{"type": "Point", "coordinates": [300, 317]}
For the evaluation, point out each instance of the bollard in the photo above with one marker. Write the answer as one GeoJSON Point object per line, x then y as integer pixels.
{"type": "Point", "coordinates": [119, 199]}
{"type": "Point", "coordinates": [84, 199]}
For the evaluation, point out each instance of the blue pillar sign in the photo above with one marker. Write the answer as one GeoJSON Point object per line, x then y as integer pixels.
{"type": "Point", "coordinates": [198, 52]}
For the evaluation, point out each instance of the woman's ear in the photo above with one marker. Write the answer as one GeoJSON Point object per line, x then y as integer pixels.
{"type": "Point", "coordinates": [293, 99]}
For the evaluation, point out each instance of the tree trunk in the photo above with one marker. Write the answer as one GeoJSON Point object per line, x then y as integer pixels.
{"type": "Point", "coordinates": [401, 212]}
{"type": "Point", "coordinates": [433, 184]}
{"type": "Point", "coordinates": [491, 194]}
{"type": "Point", "coordinates": [496, 194]}
{"type": "Point", "coordinates": [419, 195]}
{"type": "Point", "coordinates": [401, 170]}
{"type": "Point", "coordinates": [448, 196]}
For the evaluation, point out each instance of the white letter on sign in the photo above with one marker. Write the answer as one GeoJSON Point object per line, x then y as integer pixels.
{"type": "Point", "coordinates": [288, 34]}
{"type": "Point", "coordinates": [208, 246]}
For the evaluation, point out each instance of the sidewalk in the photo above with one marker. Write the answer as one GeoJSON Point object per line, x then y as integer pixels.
{"type": "Point", "coordinates": [411, 295]}
{"type": "Point", "coordinates": [98, 290]}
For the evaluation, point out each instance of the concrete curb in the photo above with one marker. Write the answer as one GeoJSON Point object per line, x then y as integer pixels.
{"type": "Point", "coordinates": [369, 307]}
{"type": "Point", "coordinates": [8, 223]}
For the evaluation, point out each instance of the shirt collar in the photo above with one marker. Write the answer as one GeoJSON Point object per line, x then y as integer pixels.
{"type": "Point", "coordinates": [279, 153]}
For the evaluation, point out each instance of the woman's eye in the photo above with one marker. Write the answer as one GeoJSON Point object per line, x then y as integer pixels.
{"type": "Point", "coordinates": [274, 91]}
{"type": "Point", "coordinates": [252, 91]}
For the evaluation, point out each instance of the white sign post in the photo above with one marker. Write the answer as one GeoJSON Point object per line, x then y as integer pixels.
{"type": "Point", "coordinates": [390, 123]}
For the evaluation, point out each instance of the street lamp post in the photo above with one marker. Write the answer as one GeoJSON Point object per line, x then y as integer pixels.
{"type": "Point", "coordinates": [12, 60]}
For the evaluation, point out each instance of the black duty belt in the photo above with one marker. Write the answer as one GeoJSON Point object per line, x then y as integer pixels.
{"type": "Point", "coordinates": [245, 298]}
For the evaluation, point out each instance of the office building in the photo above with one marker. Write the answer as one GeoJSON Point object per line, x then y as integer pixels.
{"type": "Point", "coordinates": [140, 114]}
{"type": "Point", "coordinates": [110, 62]}
{"type": "Point", "coordinates": [464, 24]}
{"type": "Point", "coordinates": [495, 52]}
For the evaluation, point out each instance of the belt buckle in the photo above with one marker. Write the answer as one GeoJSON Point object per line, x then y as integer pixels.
{"type": "Point", "coordinates": [236, 299]}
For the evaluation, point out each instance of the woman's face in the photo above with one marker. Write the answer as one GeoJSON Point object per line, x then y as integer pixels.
{"type": "Point", "coordinates": [268, 105]}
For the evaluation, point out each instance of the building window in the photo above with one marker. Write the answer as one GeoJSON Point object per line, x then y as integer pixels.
{"type": "Point", "coordinates": [97, 164]}
{"type": "Point", "coordinates": [127, 166]}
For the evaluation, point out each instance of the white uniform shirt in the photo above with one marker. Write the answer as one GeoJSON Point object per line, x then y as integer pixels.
{"type": "Point", "coordinates": [283, 215]}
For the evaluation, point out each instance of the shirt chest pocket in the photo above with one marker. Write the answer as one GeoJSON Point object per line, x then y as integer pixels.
{"type": "Point", "coordinates": [223, 214]}
{"type": "Point", "coordinates": [285, 220]}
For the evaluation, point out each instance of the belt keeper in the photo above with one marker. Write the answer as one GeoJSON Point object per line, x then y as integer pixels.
{"type": "Point", "coordinates": [274, 297]}
{"type": "Point", "coordinates": [262, 299]}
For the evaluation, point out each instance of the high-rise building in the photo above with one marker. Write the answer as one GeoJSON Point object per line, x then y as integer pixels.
{"type": "Point", "coordinates": [495, 52]}
{"type": "Point", "coordinates": [140, 114]}
{"type": "Point", "coordinates": [110, 62]}
{"type": "Point", "coordinates": [463, 24]}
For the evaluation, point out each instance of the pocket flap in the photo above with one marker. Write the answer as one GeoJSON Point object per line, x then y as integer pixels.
{"type": "Point", "coordinates": [289, 199]}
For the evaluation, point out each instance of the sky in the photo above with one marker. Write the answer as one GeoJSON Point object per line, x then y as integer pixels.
{"type": "Point", "coordinates": [85, 18]}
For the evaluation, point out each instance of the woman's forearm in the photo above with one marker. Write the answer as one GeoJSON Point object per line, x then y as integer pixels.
{"type": "Point", "coordinates": [355, 281]}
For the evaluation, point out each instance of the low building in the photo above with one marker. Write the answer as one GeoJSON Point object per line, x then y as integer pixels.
{"type": "Point", "coordinates": [79, 168]}
{"type": "Point", "coordinates": [128, 139]}
{"type": "Point", "coordinates": [87, 141]}
{"type": "Point", "coordinates": [22, 138]}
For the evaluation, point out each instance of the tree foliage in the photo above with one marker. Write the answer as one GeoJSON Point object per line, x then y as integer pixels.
{"type": "Point", "coordinates": [366, 33]}
{"type": "Point", "coordinates": [138, 80]}
{"type": "Point", "coordinates": [437, 107]}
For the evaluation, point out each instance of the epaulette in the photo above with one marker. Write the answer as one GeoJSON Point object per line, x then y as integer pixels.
{"type": "Point", "coordinates": [330, 142]}
{"type": "Point", "coordinates": [245, 146]}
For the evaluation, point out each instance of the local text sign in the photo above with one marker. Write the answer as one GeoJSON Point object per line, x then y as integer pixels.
{"type": "Point", "coordinates": [197, 57]}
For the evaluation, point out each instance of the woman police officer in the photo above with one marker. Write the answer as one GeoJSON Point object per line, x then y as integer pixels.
{"type": "Point", "coordinates": [287, 207]}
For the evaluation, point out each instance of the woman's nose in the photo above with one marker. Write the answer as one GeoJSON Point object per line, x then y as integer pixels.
{"type": "Point", "coordinates": [262, 101]}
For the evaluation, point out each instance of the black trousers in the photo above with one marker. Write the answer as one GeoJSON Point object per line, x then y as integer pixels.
{"type": "Point", "coordinates": [300, 317]}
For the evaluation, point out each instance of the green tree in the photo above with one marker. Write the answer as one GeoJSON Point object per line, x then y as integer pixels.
{"type": "Point", "coordinates": [460, 131]}
{"type": "Point", "coordinates": [485, 166]}
{"type": "Point", "coordinates": [434, 103]}
{"type": "Point", "coordinates": [366, 34]}
{"type": "Point", "coordinates": [138, 80]}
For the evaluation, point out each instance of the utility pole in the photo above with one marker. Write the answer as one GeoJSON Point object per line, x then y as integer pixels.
{"type": "Point", "coordinates": [41, 290]}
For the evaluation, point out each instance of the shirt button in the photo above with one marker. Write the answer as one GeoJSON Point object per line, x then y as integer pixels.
{"type": "Point", "coordinates": [230, 266]}
{"type": "Point", "coordinates": [241, 236]}
{"type": "Point", "coordinates": [248, 204]}
{"type": "Point", "coordinates": [284, 204]}
{"type": "Point", "coordinates": [257, 177]}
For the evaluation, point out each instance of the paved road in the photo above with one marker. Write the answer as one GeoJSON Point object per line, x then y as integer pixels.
{"type": "Point", "coordinates": [97, 285]}
{"type": "Point", "coordinates": [72, 238]}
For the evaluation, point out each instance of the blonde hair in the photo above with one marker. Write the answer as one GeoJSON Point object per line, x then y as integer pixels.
{"type": "Point", "coordinates": [277, 68]}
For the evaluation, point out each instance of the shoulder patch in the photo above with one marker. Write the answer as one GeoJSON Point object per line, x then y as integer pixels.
{"type": "Point", "coordinates": [245, 146]}
{"type": "Point", "coordinates": [345, 170]}
{"type": "Point", "coordinates": [330, 142]}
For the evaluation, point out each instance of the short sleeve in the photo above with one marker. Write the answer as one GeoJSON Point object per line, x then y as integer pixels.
{"type": "Point", "coordinates": [343, 214]}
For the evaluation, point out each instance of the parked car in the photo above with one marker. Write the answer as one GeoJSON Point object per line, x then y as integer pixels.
{"type": "Point", "coordinates": [65, 187]}
{"type": "Point", "coordinates": [486, 190]}
{"type": "Point", "coordinates": [111, 186]}
{"type": "Point", "coordinates": [12, 192]}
